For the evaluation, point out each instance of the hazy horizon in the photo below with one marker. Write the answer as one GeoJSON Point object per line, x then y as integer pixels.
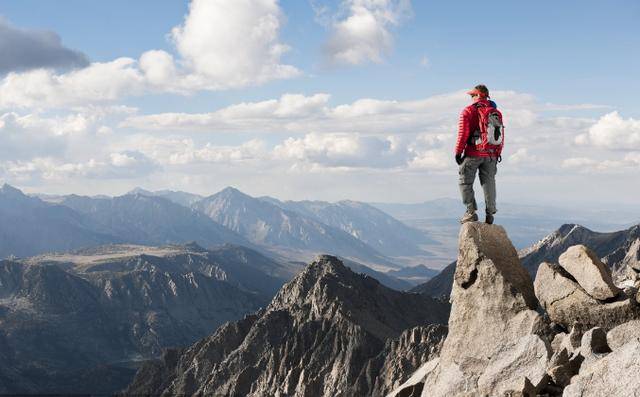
{"type": "Point", "coordinates": [575, 206]}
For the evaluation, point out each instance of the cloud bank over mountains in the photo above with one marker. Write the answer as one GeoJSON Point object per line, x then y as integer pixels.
{"type": "Point", "coordinates": [290, 135]}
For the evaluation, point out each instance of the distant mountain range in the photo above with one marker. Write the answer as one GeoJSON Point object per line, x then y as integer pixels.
{"type": "Point", "coordinates": [364, 222]}
{"type": "Point", "coordinates": [29, 226]}
{"type": "Point", "coordinates": [80, 322]}
{"type": "Point", "coordinates": [179, 197]}
{"type": "Point", "coordinates": [143, 219]}
{"type": "Point", "coordinates": [296, 229]}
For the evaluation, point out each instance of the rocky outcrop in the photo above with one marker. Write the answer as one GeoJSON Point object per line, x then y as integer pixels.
{"type": "Point", "coordinates": [567, 303]}
{"type": "Point", "coordinates": [402, 356]}
{"type": "Point", "coordinates": [497, 341]}
{"type": "Point", "coordinates": [325, 333]}
{"type": "Point", "coordinates": [616, 374]}
{"type": "Point", "coordinates": [623, 333]}
{"type": "Point", "coordinates": [499, 344]}
{"type": "Point", "coordinates": [588, 271]}
{"type": "Point", "coordinates": [579, 295]}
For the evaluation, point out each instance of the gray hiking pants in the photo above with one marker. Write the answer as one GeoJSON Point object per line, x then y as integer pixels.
{"type": "Point", "coordinates": [467, 171]}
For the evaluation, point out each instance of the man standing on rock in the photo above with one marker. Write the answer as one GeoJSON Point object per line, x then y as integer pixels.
{"type": "Point", "coordinates": [479, 148]}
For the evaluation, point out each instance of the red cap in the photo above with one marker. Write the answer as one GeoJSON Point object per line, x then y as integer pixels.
{"type": "Point", "coordinates": [476, 91]}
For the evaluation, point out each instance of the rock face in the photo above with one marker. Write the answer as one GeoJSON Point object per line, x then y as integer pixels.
{"type": "Point", "coordinates": [623, 333]}
{"type": "Point", "coordinates": [632, 257]}
{"type": "Point", "coordinates": [614, 375]}
{"type": "Point", "coordinates": [567, 303]}
{"type": "Point", "coordinates": [326, 333]}
{"type": "Point", "coordinates": [587, 269]}
{"type": "Point", "coordinates": [496, 342]}
{"type": "Point", "coordinates": [402, 356]}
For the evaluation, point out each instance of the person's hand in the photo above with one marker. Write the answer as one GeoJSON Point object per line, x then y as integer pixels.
{"type": "Point", "coordinates": [459, 159]}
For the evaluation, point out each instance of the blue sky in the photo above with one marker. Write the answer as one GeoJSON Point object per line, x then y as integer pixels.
{"type": "Point", "coordinates": [547, 62]}
{"type": "Point", "coordinates": [554, 49]}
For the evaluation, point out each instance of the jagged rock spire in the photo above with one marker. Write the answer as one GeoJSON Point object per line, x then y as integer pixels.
{"type": "Point", "coordinates": [496, 341]}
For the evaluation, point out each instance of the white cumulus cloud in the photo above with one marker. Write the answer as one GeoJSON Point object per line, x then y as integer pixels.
{"type": "Point", "coordinates": [124, 165]}
{"type": "Point", "coordinates": [268, 115]}
{"type": "Point", "coordinates": [522, 156]}
{"type": "Point", "coordinates": [343, 150]}
{"type": "Point", "coordinates": [189, 154]}
{"type": "Point", "coordinates": [613, 132]}
{"type": "Point", "coordinates": [232, 43]}
{"type": "Point", "coordinates": [221, 44]}
{"type": "Point", "coordinates": [98, 82]}
{"type": "Point", "coordinates": [363, 32]}
{"type": "Point", "coordinates": [432, 159]}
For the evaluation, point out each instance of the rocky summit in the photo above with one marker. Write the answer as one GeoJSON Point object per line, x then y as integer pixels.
{"type": "Point", "coordinates": [571, 332]}
{"type": "Point", "coordinates": [328, 332]}
{"type": "Point", "coordinates": [497, 340]}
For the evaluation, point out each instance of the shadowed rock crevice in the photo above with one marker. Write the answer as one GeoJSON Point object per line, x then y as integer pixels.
{"type": "Point", "coordinates": [472, 279]}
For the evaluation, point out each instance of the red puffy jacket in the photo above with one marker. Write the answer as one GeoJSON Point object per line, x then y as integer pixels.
{"type": "Point", "coordinates": [468, 123]}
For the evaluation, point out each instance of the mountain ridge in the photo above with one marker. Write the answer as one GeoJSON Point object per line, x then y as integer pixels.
{"type": "Point", "coordinates": [267, 224]}
{"type": "Point", "coordinates": [326, 321]}
{"type": "Point", "coordinates": [81, 319]}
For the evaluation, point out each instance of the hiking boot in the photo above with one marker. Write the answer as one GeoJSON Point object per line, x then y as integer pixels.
{"type": "Point", "coordinates": [469, 217]}
{"type": "Point", "coordinates": [489, 219]}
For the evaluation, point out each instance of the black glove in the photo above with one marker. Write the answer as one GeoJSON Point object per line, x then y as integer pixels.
{"type": "Point", "coordinates": [459, 159]}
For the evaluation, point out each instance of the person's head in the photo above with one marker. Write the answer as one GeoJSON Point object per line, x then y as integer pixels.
{"type": "Point", "coordinates": [479, 92]}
